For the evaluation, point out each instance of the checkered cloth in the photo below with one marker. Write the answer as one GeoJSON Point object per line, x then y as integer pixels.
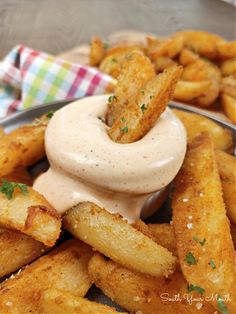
{"type": "Point", "coordinates": [29, 78]}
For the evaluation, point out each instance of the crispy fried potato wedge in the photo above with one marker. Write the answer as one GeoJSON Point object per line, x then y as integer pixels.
{"type": "Point", "coordinates": [136, 119]}
{"type": "Point", "coordinates": [139, 293]}
{"type": "Point", "coordinates": [17, 250]}
{"type": "Point", "coordinates": [228, 67]}
{"type": "Point", "coordinates": [229, 107]}
{"type": "Point", "coordinates": [162, 63]}
{"type": "Point", "coordinates": [97, 51]}
{"type": "Point", "coordinates": [203, 43]}
{"type": "Point", "coordinates": [64, 268]}
{"type": "Point", "coordinates": [196, 124]}
{"type": "Point", "coordinates": [22, 147]}
{"type": "Point", "coordinates": [30, 214]}
{"type": "Point", "coordinates": [226, 50]}
{"type": "Point", "coordinates": [187, 91]}
{"type": "Point", "coordinates": [201, 227]}
{"type": "Point", "coordinates": [168, 47]}
{"type": "Point", "coordinates": [111, 235]}
{"type": "Point", "coordinates": [227, 169]}
{"type": "Point", "coordinates": [20, 175]}
{"type": "Point", "coordinates": [202, 70]}
{"type": "Point", "coordinates": [187, 57]}
{"type": "Point", "coordinates": [56, 301]}
{"type": "Point", "coordinates": [136, 71]}
{"type": "Point", "coordinates": [228, 86]}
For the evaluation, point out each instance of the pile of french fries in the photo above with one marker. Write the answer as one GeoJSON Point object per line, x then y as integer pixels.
{"type": "Point", "coordinates": [185, 266]}
{"type": "Point", "coordinates": [208, 60]}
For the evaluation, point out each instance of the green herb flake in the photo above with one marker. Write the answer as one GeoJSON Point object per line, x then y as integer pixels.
{"type": "Point", "coordinates": [195, 288]}
{"type": "Point", "coordinates": [8, 188]}
{"type": "Point", "coordinates": [124, 129]}
{"type": "Point", "coordinates": [213, 265]}
{"type": "Point", "coordinates": [221, 305]}
{"type": "Point", "coordinates": [123, 119]}
{"type": "Point", "coordinates": [106, 45]}
{"type": "Point", "coordinates": [143, 107]}
{"type": "Point", "coordinates": [202, 242]}
{"type": "Point", "coordinates": [49, 114]}
{"type": "Point", "coordinates": [111, 98]}
{"type": "Point", "coordinates": [101, 119]}
{"type": "Point", "coordinates": [142, 91]}
{"type": "Point", "coordinates": [190, 259]}
{"type": "Point", "coordinates": [114, 60]}
{"type": "Point", "coordinates": [151, 96]}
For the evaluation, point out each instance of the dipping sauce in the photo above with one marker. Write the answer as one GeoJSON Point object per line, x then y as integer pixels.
{"type": "Point", "coordinates": [86, 165]}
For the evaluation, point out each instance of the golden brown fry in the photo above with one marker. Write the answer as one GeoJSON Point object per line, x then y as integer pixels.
{"type": "Point", "coordinates": [187, 91]}
{"type": "Point", "coordinates": [168, 47]}
{"type": "Point", "coordinates": [139, 293]}
{"type": "Point", "coordinates": [64, 268]}
{"type": "Point", "coordinates": [202, 70]}
{"type": "Point", "coordinates": [228, 86]}
{"type": "Point", "coordinates": [226, 50]}
{"type": "Point", "coordinates": [187, 57]}
{"type": "Point", "coordinates": [136, 71]}
{"type": "Point", "coordinates": [203, 43]}
{"type": "Point", "coordinates": [196, 124]}
{"type": "Point", "coordinates": [1, 132]}
{"type": "Point", "coordinates": [56, 301]}
{"type": "Point", "coordinates": [97, 51]}
{"type": "Point", "coordinates": [22, 147]}
{"type": "Point", "coordinates": [111, 235]}
{"type": "Point", "coordinates": [137, 118]}
{"type": "Point", "coordinates": [162, 63]}
{"type": "Point", "coordinates": [31, 214]}
{"type": "Point", "coordinates": [227, 169]}
{"type": "Point", "coordinates": [200, 223]}
{"type": "Point", "coordinates": [228, 67]}
{"type": "Point", "coordinates": [20, 175]}
{"type": "Point", "coordinates": [229, 107]}
{"type": "Point", "coordinates": [17, 250]}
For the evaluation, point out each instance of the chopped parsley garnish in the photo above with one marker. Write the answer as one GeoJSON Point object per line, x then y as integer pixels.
{"type": "Point", "coordinates": [114, 60]}
{"type": "Point", "coordinates": [49, 114]}
{"type": "Point", "coordinates": [221, 305]}
{"type": "Point", "coordinates": [123, 119]}
{"type": "Point", "coordinates": [124, 129]}
{"type": "Point", "coordinates": [202, 242]}
{"type": "Point", "coordinates": [213, 265]}
{"type": "Point", "coordinates": [142, 91]}
{"type": "Point", "coordinates": [151, 96]}
{"type": "Point", "coordinates": [101, 119]}
{"type": "Point", "coordinates": [106, 45]}
{"type": "Point", "coordinates": [190, 259]}
{"type": "Point", "coordinates": [8, 188]}
{"type": "Point", "coordinates": [195, 288]}
{"type": "Point", "coordinates": [111, 98]}
{"type": "Point", "coordinates": [143, 107]}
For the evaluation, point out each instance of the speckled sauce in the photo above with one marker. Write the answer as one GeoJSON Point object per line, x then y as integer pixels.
{"type": "Point", "coordinates": [86, 165]}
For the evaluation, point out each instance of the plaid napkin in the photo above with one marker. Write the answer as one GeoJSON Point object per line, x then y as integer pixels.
{"type": "Point", "coordinates": [29, 78]}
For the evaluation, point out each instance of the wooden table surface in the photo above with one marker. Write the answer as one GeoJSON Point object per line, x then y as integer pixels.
{"type": "Point", "coordinates": [58, 25]}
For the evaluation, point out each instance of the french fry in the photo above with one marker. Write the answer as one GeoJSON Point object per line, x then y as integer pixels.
{"type": "Point", "coordinates": [168, 47]}
{"type": "Point", "coordinates": [203, 43]}
{"type": "Point", "coordinates": [202, 70]}
{"type": "Point", "coordinates": [162, 63]}
{"type": "Point", "coordinates": [22, 147]}
{"type": "Point", "coordinates": [30, 214]}
{"type": "Point", "coordinates": [227, 169]}
{"type": "Point", "coordinates": [187, 57]}
{"type": "Point", "coordinates": [56, 301]}
{"type": "Point", "coordinates": [228, 67]}
{"type": "Point", "coordinates": [228, 86]}
{"type": "Point", "coordinates": [201, 227]}
{"type": "Point", "coordinates": [196, 124]}
{"type": "Point", "coordinates": [137, 118]}
{"type": "Point", "coordinates": [226, 50]}
{"type": "Point", "coordinates": [17, 250]}
{"type": "Point", "coordinates": [229, 107]}
{"type": "Point", "coordinates": [20, 175]}
{"type": "Point", "coordinates": [187, 91]}
{"type": "Point", "coordinates": [97, 51]}
{"type": "Point", "coordinates": [64, 268]}
{"type": "Point", "coordinates": [136, 71]}
{"type": "Point", "coordinates": [111, 235]}
{"type": "Point", "coordinates": [139, 293]}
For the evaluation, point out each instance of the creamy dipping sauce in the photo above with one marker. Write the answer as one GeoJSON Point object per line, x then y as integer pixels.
{"type": "Point", "coordinates": [86, 165]}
